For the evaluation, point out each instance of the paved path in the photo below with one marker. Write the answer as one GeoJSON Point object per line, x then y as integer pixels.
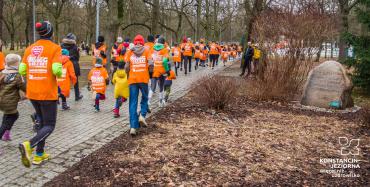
{"type": "Point", "coordinates": [78, 133]}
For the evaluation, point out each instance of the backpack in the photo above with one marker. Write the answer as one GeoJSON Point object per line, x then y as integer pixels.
{"type": "Point", "coordinates": [257, 53]}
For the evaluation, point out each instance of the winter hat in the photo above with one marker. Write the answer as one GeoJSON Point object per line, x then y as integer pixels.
{"type": "Point", "coordinates": [65, 52]}
{"type": "Point", "coordinates": [100, 38]}
{"type": "Point", "coordinates": [157, 36]}
{"type": "Point", "coordinates": [119, 39]}
{"type": "Point", "coordinates": [98, 62]}
{"type": "Point", "coordinates": [161, 40]}
{"type": "Point", "coordinates": [184, 40]}
{"type": "Point", "coordinates": [12, 61]}
{"type": "Point", "coordinates": [126, 44]}
{"type": "Point", "coordinates": [127, 40]}
{"type": "Point", "coordinates": [139, 40]}
{"type": "Point", "coordinates": [150, 38]}
{"type": "Point", "coordinates": [44, 29]}
{"type": "Point", "coordinates": [71, 36]}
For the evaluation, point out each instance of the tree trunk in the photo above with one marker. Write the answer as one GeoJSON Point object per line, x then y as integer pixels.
{"type": "Point", "coordinates": [344, 12]}
{"type": "Point", "coordinates": [199, 9]}
{"type": "Point", "coordinates": [318, 54]}
{"type": "Point", "coordinates": [29, 24]}
{"type": "Point", "coordinates": [1, 22]}
{"type": "Point", "coordinates": [12, 37]}
{"type": "Point", "coordinates": [155, 17]}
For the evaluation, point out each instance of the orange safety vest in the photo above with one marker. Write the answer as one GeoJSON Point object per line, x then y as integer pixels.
{"type": "Point", "coordinates": [139, 67]}
{"type": "Point", "coordinates": [176, 54]}
{"type": "Point", "coordinates": [39, 58]}
{"type": "Point", "coordinates": [2, 61]}
{"type": "Point", "coordinates": [68, 76]}
{"type": "Point", "coordinates": [98, 76]}
{"type": "Point", "coordinates": [96, 54]}
{"type": "Point", "coordinates": [188, 49]}
{"type": "Point", "coordinates": [158, 57]}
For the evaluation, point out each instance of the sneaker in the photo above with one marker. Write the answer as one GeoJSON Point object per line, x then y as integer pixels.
{"type": "Point", "coordinates": [6, 136]}
{"type": "Point", "coordinates": [65, 107]}
{"type": "Point", "coordinates": [133, 132]}
{"type": "Point", "coordinates": [26, 152]}
{"type": "Point", "coordinates": [97, 110]}
{"type": "Point", "coordinates": [79, 98]}
{"type": "Point", "coordinates": [37, 160]}
{"type": "Point", "coordinates": [116, 113]}
{"type": "Point", "coordinates": [142, 121]}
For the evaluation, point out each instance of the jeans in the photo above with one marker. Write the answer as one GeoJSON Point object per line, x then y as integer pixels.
{"type": "Point", "coordinates": [8, 122]}
{"type": "Point", "coordinates": [118, 103]}
{"type": "Point", "coordinates": [47, 111]}
{"type": "Point", "coordinates": [133, 102]}
{"type": "Point", "coordinates": [196, 63]}
{"type": "Point", "coordinates": [98, 97]}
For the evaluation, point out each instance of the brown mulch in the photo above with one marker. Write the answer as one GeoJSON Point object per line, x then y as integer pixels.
{"type": "Point", "coordinates": [263, 144]}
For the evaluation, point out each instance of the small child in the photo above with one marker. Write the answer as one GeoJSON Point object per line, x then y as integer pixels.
{"type": "Point", "coordinates": [225, 55]}
{"type": "Point", "coordinates": [98, 81]}
{"type": "Point", "coordinates": [197, 56]}
{"type": "Point", "coordinates": [11, 82]}
{"type": "Point", "coordinates": [168, 84]}
{"type": "Point", "coordinates": [121, 90]}
{"type": "Point", "coordinates": [68, 76]}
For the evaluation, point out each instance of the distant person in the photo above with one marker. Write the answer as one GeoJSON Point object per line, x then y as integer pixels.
{"type": "Point", "coordinates": [69, 43]}
{"type": "Point", "coordinates": [87, 49]}
{"type": "Point", "coordinates": [248, 54]}
{"type": "Point", "coordinates": [68, 76]}
{"type": "Point", "coordinates": [98, 80]}
{"type": "Point", "coordinates": [100, 51]}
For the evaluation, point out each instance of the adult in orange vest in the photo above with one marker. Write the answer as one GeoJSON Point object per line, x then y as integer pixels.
{"type": "Point", "coordinates": [149, 46]}
{"type": "Point", "coordinates": [137, 67]}
{"type": "Point", "coordinates": [100, 51]}
{"type": "Point", "coordinates": [160, 57]}
{"type": "Point", "coordinates": [68, 76]}
{"type": "Point", "coordinates": [182, 45]}
{"type": "Point", "coordinates": [115, 53]}
{"type": "Point", "coordinates": [176, 56]}
{"type": "Point", "coordinates": [42, 65]}
{"type": "Point", "coordinates": [213, 54]}
{"type": "Point", "coordinates": [187, 49]}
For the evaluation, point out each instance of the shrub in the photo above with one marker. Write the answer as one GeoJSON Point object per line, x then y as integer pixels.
{"type": "Point", "coordinates": [216, 92]}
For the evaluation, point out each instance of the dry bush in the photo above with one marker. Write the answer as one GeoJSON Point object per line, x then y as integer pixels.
{"type": "Point", "coordinates": [283, 71]}
{"type": "Point", "coordinates": [216, 92]}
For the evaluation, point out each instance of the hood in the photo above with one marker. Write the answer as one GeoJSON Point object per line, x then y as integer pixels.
{"type": "Point", "coordinates": [65, 59]}
{"type": "Point", "coordinates": [121, 73]}
{"type": "Point", "coordinates": [138, 50]}
{"type": "Point", "coordinates": [158, 46]}
{"type": "Point", "coordinates": [68, 41]}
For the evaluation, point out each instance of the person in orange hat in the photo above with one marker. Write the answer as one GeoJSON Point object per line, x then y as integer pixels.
{"type": "Point", "coordinates": [98, 80]}
{"type": "Point", "coordinates": [68, 76]}
{"type": "Point", "coordinates": [137, 68]}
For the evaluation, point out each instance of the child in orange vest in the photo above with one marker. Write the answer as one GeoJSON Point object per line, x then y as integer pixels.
{"type": "Point", "coordinates": [225, 55]}
{"type": "Point", "coordinates": [68, 76]}
{"type": "Point", "coordinates": [98, 81]}
{"type": "Point", "coordinates": [168, 84]}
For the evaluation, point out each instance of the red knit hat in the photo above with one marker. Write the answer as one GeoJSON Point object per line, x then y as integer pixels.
{"type": "Point", "coordinates": [184, 40]}
{"type": "Point", "coordinates": [139, 40]}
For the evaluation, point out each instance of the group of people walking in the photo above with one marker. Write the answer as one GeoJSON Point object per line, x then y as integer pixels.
{"type": "Point", "coordinates": [47, 70]}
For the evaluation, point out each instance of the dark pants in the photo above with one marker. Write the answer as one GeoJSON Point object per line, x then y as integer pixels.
{"type": "Point", "coordinates": [64, 99]}
{"type": "Point", "coordinates": [177, 66]}
{"type": "Point", "coordinates": [47, 111]}
{"type": "Point", "coordinates": [213, 59]}
{"type": "Point", "coordinates": [187, 60]}
{"type": "Point", "coordinates": [158, 80]}
{"type": "Point", "coordinates": [8, 122]}
{"type": "Point", "coordinates": [246, 65]}
{"type": "Point", "coordinates": [98, 97]}
{"type": "Point", "coordinates": [77, 89]}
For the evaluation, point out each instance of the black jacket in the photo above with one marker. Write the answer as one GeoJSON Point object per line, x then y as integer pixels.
{"type": "Point", "coordinates": [74, 55]}
{"type": "Point", "coordinates": [248, 54]}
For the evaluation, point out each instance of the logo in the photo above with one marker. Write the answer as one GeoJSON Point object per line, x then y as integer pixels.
{"type": "Point", "coordinates": [37, 50]}
{"type": "Point", "coordinates": [349, 147]}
